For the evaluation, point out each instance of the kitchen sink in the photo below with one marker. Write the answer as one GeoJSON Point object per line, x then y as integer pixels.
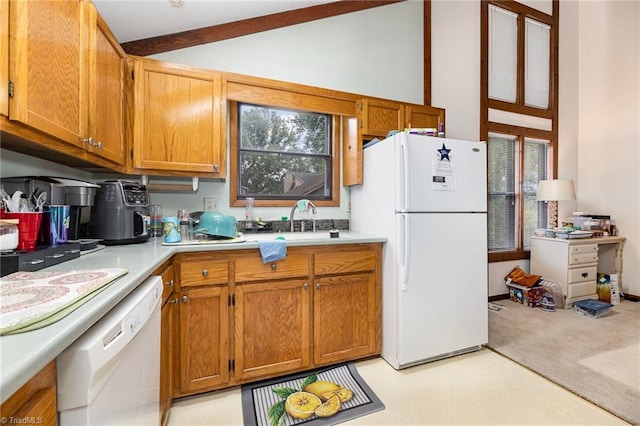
{"type": "Point", "coordinates": [295, 236]}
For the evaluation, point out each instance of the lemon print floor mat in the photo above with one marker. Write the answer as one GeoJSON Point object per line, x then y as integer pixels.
{"type": "Point", "coordinates": [318, 397]}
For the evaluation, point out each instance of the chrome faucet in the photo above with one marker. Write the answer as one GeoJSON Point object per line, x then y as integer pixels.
{"type": "Point", "coordinates": [300, 204]}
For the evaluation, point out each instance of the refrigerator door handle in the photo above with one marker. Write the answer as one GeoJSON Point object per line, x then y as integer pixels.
{"type": "Point", "coordinates": [404, 257]}
{"type": "Point", "coordinates": [403, 178]}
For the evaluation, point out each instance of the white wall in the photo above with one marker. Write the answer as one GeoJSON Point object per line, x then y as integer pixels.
{"type": "Point", "coordinates": [455, 65]}
{"type": "Point", "coordinates": [608, 116]}
{"type": "Point", "coordinates": [15, 164]}
{"type": "Point", "coordinates": [376, 52]}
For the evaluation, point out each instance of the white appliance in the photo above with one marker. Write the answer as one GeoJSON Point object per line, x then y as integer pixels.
{"type": "Point", "coordinates": [428, 196]}
{"type": "Point", "coordinates": [111, 374]}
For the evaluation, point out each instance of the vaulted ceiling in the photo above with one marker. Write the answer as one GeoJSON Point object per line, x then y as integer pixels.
{"type": "Point", "coordinates": [155, 26]}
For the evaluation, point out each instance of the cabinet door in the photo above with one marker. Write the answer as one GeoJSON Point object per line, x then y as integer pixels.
{"type": "Point", "coordinates": [106, 93]}
{"type": "Point", "coordinates": [378, 117]}
{"type": "Point", "coordinates": [35, 400]}
{"type": "Point", "coordinates": [351, 152]}
{"type": "Point", "coordinates": [346, 316]}
{"type": "Point", "coordinates": [204, 358]}
{"type": "Point", "coordinates": [271, 328]}
{"type": "Point", "coordinates": [4, 57]}
{"type": "Point", "coordinates": [177, 125]}
{"type": "Point", "coordinates": [419, 116]}
{"type": "Point", "coordinates": [49, 66]}
{"type": "Point", "coordinates": [166, 359]}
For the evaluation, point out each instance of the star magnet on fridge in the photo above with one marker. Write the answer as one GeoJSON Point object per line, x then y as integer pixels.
{"type": "Point", "coordinates": [444, 153]}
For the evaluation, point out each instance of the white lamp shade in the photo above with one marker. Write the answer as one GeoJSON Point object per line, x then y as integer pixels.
{"type": "Point", "coordinates": [556, 190]}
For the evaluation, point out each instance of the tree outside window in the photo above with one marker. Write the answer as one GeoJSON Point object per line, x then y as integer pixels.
{"type": "Point", "coordinates": [283, 154]}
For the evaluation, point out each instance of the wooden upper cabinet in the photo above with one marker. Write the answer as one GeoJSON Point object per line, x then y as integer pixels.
{"type": "Point", "coordinates": [420, 116]}
{"type": "Point", "coordinates": [4, 57]}
{"type": "Point", "coordinates": [377, 117]}
{"type": "Point", "coordinates": [49, 66]}
{"type": "Point", "coordinates": [106, 92]}
{"type": "Point", "coordinates": [177, 124]}
{"type": "Point", "coordinates": [351, 152]}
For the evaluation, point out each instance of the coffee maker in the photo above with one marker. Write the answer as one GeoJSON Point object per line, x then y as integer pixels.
{"type": "Point", "coordinates": [120, 214]}
{"type": "Point", "coordinates": [77, 194]}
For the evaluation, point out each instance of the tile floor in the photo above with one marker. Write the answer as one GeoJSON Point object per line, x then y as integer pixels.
{"type": "Point", "coordinates": [480, 388]}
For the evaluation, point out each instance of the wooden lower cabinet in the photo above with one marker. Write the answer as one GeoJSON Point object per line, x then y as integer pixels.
{"type": "Point", "coordinates": [272, 324]}
{"type": "Point", "coordinates": [167, 312]}
{"type": "Point", "coordinates": [343, 318]}
{"type": "Point", "coordinates": [320, 305]}
{"type": "Point", "coordinates": [204, 357]}
{"type": "Point", "coordinates": [35, 402]}
{"type": "Point", "coordinates": [166, 360]}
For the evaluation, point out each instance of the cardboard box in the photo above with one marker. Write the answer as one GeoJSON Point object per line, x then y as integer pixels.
{"type": "Point", "coordinates": [530, 296]}
{"type": "Point", "coordinates": [608, 289]}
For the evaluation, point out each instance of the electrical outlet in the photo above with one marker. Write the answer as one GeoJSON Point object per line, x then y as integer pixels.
{"type": "Point", "coordinates": [211, 204]}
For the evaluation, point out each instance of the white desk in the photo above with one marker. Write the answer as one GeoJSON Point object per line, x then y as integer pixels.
{"type": "Point", "coordinates": [575, 263]}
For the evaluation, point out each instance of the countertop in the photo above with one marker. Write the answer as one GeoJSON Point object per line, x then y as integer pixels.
{"type": "Point", "coordinates": [23, 355]}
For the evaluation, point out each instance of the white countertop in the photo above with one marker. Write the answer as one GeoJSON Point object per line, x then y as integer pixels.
{"type": "Point", "coordinates": [23, 355]}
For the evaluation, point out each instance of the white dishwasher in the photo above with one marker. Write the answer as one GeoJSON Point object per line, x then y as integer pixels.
{"type": "Point", "coordinates": [111, 374]}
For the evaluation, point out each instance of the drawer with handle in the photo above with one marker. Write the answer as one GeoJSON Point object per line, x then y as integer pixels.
{"type": "Point", "coordinates": [204, 272]}
{"type": "Point", "coordinates": [251, 268]}
{"type": "Point", "coordinates": [588, 273]}
{"type": "Point", "coordinates": [342, 262]}
{"type": "Point", "coordinates": [583, 248]}
{"type": "Point", "coordinates": [582, 258]}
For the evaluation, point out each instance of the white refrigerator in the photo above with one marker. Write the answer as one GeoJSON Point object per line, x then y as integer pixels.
{"type": "Point", "coordinates": [428, 196]}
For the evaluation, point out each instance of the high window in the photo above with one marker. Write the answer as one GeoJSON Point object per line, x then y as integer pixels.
{"type": "Point", "coordinates": [518, 119]}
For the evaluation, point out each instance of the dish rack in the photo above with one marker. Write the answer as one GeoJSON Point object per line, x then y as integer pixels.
{"type": "Point", "coordinates": [553, 289]}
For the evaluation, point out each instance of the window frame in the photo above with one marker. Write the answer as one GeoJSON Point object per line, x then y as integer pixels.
{"type": "Point", "coordinates": [518, 107]}
{"type": "Point", "coordinates": [239, 201]}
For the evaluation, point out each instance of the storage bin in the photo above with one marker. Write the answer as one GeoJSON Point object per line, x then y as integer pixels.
{"type": "Point", "coordinates": [592, 308]}
{"type": "Point", "coordinates": [531, 296]}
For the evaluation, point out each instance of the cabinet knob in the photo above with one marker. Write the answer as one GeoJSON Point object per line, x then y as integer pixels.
{"type": "Point", "coordinates": [318, 286]}
{"type": "Point", "coordinates": [274, 266]}
{"type": "Point", "coordinates": [205, 272]}
{"type": "Point", "coordinates": [88, 141]}
{"type": "Point", "coordinates": [185, 299]}
{"type": "Point", "coordinates": [585, 274]}
{"type": "Point", "coordinates": [99, 145]}
{"type": "Point", "coordinates": [306, 285]}
{"type": "Point", "coordinates": [216, 167]}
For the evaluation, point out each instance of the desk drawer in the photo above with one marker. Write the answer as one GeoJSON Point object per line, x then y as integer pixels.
{"type": "Point", "coordinates": [587, 273]}
{"type": "Point", "coordinates": [582, 258]}
{"type": "Point", "coordinates": [583, 248]}
{"type": "Point", "coordinates": [581, 289]}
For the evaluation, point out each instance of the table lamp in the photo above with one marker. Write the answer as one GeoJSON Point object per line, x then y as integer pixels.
{"type": "Point", "coordinates": [555, 190]}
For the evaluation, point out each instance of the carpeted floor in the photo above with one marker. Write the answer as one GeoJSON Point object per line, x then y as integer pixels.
{"type": "Point", "coordinates": [598, 359]}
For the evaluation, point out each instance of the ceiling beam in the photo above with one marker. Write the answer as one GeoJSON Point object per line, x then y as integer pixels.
{"type": "Point", "coordinates": [166, 43]}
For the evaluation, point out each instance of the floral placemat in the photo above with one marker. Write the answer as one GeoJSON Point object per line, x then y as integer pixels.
{"type": "Point", "coordinates": [31, 300]}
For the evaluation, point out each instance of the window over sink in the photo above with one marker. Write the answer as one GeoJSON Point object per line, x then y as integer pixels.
{"type": "Point", "coordinates": [280, 155]}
